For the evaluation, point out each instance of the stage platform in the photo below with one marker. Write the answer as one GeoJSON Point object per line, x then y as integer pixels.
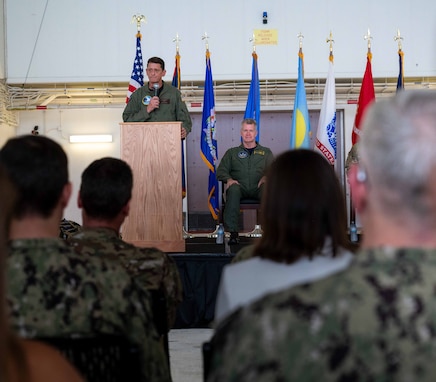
{"type": "Point", "coordinates": [200, 270]}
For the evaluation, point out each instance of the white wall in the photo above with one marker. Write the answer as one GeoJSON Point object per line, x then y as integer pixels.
{"type": "Point", "coordinates": [59, 124]}
{"type": "Point", "coordinates": [94, 40]}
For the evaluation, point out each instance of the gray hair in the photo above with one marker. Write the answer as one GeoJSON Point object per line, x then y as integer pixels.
{"type": "Point", "coordinates": [249, 121]}
{"type": "Point", "coordinates": [398, 151]}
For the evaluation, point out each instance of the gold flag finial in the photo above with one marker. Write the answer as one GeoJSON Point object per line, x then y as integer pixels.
{"type": "Point", "coordinates": [177, 40]}
{"type": "Point", "coordinates": [399, 40]}
{"type": "Point", "coordinates": [139, 19]}
{"type": "Point", "coordinates": [206, 38]}
{"type": "Point", "coordinates": [330, 41]}
{"type": "Point", "coordinates": [253, 40]}
{"type": "Point", "coordinates": [369, 38]}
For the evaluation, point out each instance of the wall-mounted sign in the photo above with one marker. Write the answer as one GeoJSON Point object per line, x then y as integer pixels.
{"type": "Point", "coordinates": [265, 36]}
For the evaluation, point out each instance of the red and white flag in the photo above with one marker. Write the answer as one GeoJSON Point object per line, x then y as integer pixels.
{"type": "Point", "coordinates": [366, 97]}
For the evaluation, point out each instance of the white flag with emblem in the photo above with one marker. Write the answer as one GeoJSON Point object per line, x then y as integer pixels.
{"type": "Point", "coordinates": [326, 133]}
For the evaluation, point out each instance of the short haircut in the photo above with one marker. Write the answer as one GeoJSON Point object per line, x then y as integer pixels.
{"type": "Point", "coordinates": [397, 150]}
{"type": "Point", "coordinates": [303, 206]}
{"type": "Point", "coordinates": [249, 121]}
{"type": "Point", "coordinates": [38, 167]}
{"type": "Point", "coordinates": [156, 60]}
{"type": "Point", "coordinates": [106, 187]}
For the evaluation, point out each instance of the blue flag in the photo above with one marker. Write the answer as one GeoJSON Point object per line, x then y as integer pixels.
{"type": "Point", "coordinates": [209, 149]}
{"type": "Point", "coordinates": [300, 132]}
{"type": "Point", "coordinates": [252, 110]}
{"type": "Point", "coordinates": [137, 76]}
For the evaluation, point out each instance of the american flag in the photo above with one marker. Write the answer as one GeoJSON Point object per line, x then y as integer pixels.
{"type": "Point", "coordinates": [137, 77]}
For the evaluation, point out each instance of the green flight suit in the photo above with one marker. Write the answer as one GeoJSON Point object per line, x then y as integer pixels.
{"type": "Point", "coordinates": [247, 168]}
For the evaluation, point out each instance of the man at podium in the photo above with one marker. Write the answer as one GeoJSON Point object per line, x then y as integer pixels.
{"type": "Point", "coordinates": [157, 101]}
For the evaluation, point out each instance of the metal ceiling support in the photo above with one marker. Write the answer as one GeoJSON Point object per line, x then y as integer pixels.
{"type": "Point", "coordinates": [234, 94]}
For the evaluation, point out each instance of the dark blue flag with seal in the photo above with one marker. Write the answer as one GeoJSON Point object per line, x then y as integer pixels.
{"type": "Point", "coordinates": [209, 149]}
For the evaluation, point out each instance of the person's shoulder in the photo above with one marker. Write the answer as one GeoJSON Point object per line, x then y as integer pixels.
{"type": "Point", "coordinates": [138, 92]}
{"type": "Point", "coordinates": [244, 253]}
{"type": "Point", "coordinates": [169, 88]}
{"type": "Point", "coordinates": [234, 149]}
{"type": "Point", "coordinates": [46, 364]}
{"type": "Point", "coordinates": [264, 148]}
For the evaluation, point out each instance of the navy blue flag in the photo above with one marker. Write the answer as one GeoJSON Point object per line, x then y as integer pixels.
{"type": "Point", "coordinates": [400, 81]}
{"type": "Point", "coordinates": [209, 149]}
{"type": "Point", "coordinates": [177, 83]}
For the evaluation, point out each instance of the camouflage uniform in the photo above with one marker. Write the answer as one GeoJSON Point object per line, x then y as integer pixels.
{"type": "Point", "coordinates": [152, 268]}
{"type": "Point", "coordinates": [244, 253]}
{"type": "Point", "coordinates": [375, 321]}
{"type": "Point", "coordinates": [68, 228]}
{"type": "Point", "coordinates": [352, 156]}
{"type": "Point", "coordinates": [54, 292]}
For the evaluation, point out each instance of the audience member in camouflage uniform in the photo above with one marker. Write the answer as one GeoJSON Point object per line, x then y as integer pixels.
{"type": "Point", "coordinates": [376, 320]}
{"type": "Point", "coordinates": [51, 290]}
{"type": "Point", "coordinates": [104, 197]}
{"type": "Point", "coordinates": [23, 359]}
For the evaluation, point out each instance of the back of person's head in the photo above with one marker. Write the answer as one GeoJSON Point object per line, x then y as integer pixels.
{"type": "Point", "coordinates": [302, 207]}
{"type": "Point", "coordinates": [157, 60]}
{"type": "Point", "coordinates": [38, 167]}
{"type": "Point", "coordinates": [398, 156]}
{"type": "Point", "coordinates": [106, 187]}
{"type": "Point", "coordinates": [9, 349]}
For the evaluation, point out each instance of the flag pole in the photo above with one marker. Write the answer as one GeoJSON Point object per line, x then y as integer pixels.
{"type": "Point", "coordinates": [300, 129]}
{"type": "Point", "coordinates": [353, 228]}
{"type": "Point", "coordinates": [176, 82]}
{"type": "Point", "coordinates": [326, 141]}
{"type": "Point", "coordinates": [137, 76]}
{"type": "Point", "coordinates": [252, 108]}
{"type": "Point", "coordinates": [399, 40]}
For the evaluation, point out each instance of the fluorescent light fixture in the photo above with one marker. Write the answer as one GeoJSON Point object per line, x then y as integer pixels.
{"type": "Point", "coordinates": [91, 138]}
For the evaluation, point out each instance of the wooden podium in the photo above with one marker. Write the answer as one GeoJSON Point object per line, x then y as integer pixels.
{"type": "Point", "coordinates": [153, 150]}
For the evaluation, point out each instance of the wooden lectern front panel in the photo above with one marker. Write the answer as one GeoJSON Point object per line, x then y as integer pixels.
{"type": "Point", "coordinates": [153, 150]}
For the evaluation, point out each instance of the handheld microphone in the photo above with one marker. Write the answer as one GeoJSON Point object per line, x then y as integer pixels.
{"type": "Point", "coordinates": [156, 89]}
